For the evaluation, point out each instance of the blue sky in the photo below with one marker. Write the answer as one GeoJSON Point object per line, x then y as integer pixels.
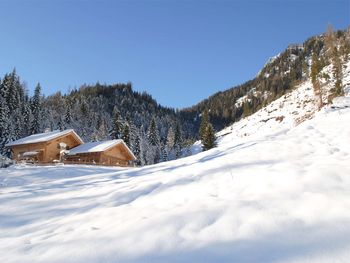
{"type": "Point", "coordinates": [178, 51]}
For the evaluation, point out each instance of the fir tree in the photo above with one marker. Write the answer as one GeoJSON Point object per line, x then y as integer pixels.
{"type": "Point", "coordinates": [154, 153]}
{"type": "Point", "coordinates": [170, 138]}
{"type": "Point", "coordinates": [68, 115]}
{"type": "Point", "coordinates": [126, 134]}
{"type": "Point", "coordinates": [153, 136]}
{"type": "Point", "coordinates": [315, 69]}
{"type": "Point", "coordinates": [204, 124]}
{"type": "Point", "coordinates": [209, 140]}
{"type": "Point", "coordinates": [36, 110]}
{"type": "Point", "coordinates": [4, 127]}
{"type": "Point", "coordinates": [116, 132]}
{"type": "Point", "coordinates": [164, 152]}
{"type": "Point", "coordinates": [136, 148]}
{"type": "Point", "coordinates": [178, 141]}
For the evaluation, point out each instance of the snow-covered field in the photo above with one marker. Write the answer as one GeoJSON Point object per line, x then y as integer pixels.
{"type": "Point", "coordinates": [272, 191]}
{"type": "Point", "coordinates": [279, 197]}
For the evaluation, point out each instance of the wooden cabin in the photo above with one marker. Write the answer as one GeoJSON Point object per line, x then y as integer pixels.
{"type": "Point", "coordinates": [45, 147]}
{"type": "Point", "coordinates": [112, 152]}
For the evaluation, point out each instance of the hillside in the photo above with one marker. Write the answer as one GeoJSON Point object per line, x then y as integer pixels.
{"type": "Point", "coordinates": [280, 75]}
{"type": "Point", "coordinates": [100, 112]}
{"type": "Point", "coordinates": [276, 197]}
{"type": "Point", "coordinates": [272, 191]}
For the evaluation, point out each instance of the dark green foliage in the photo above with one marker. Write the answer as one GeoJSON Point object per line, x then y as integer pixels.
{"type": "Point", "coordinates": [136, 148]}
{"type": "Point", "coordinates": [209, 139]}
{"type": "Point", "coordinates": [36, 110]}
{"type": "Point", "coordinates": [4, 126]}
{"type": "Point", "coordinates": [204, 124]}
{"type": "Point", "coordinates": [126, 134]}
{"type": "Point", "coordinates": [68, 116]}
{"type": "Point", "coordinates": [153, 136]}
{"type": "Point", "coordinates": [92, 109]}
{"type": "Point", "coordinates": [116, 132]}
{"type": "Point", "coordinates": [178, 141]}
{"type": "Point", "coordinates": [206, 132]}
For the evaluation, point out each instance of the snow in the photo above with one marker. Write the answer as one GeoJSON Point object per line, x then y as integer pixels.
{"type": "Point", "coordinates": [32, 153]}
{"type": "Point", "coordinates": [42, 137]}
{"type": "Point", "coordinates": [270, 197]}
{"type": "Point", "coordinates": [94, 147]}
{"type": "Point", "coordinates": [98, 147]}
{"type": "Point", "coordinates": [274, 190]}
{"type": "Point", "coordinates": [285, 112]}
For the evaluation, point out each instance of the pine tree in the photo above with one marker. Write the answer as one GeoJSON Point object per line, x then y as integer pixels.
{"type": "Point", "coordinates": [337, 73]}
{"type": "Point", "coordinates": [178, 143]}
{"type": "Point", "coordinates": [36, 110]}
{"type": "Point", "coordinates": [116, 132]}
{"type": "Point", "coordinates": [126, 134]}
{"type": "Point", "coordinates": [4, 127]}
{"type": "Point", "coordinates": [136, 148]}
{"type": "Point", "coordinates": [204, 124]}
{"type": "Point", "coordinates": [209, 141]}
{"type": "Point", "coordinates": [333, 53]}
{"type": "Point", "coordinates": [26, 112]}
{"type": "Point", "coordinates": [170, 138]}
{"type": "Point", "coordinates": [315, 69]}
{"type": "Point", "coordinates": [153, 135]}
{"type": "Point", "coordinates": [60, 124]}
{"type": "Point", "coordinates": [68, 115]}
{"type": "Point", "coordinates": [164, 152]}
{"type": "Point", "coordinates": [154, 153]}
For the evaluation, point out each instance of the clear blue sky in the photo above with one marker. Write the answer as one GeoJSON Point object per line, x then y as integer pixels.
{"type": "Point", "coordinates": [178, 51]}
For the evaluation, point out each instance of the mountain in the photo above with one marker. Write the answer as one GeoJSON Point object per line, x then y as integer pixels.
{"type": "Point", "coordinates": [99, 112]}
{"type": "Point", "coordinates": [279, 75]}
{"type": "Point", "coordinates": [276, 189]}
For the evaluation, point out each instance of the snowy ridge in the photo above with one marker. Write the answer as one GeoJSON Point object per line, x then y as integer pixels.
{"type": "Point", "coordinates": [285, 112]}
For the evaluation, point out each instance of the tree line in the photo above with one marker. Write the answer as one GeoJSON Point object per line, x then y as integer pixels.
{"type": "Point", "coordinates": [96, 112]}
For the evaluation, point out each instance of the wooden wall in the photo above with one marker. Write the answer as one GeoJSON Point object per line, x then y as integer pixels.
{"type": "Point", "coordinates": [116, 156]}
{"type": "Point", "coordinates": [18, 149]}
{"type": "Point", "coordinates": [53, 150]}
{"type": "Point", "coordinates": [49, 151]}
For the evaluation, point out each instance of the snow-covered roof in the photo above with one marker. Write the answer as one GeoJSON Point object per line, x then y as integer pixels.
{"type": "Point", "coordinates": [43, 137]}
{"type": "Point", "coordinates": [98, 147]}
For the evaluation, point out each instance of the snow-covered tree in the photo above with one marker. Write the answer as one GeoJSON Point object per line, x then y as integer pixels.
{"type": "Point", "coordinates": [178, 142]}
{"type": "Point", "coordinates": [153, 154]}
{"type": "Point", "coordinates": [170, 138]}
{"type": "Point", "coordinates": [68, 115]}
{"type": "Point", "coordinates": [126, 134]}
{"type": "Point", "coordinates": [36, 110]}
{"type": "Point", "coordinates": [4, 127]}
{"type": "Point", "coordinates": [135, 147]}
{"type": "Point", "coordinates": [116, 131]}
{"type": "Point", "coordinates": [153, 135]}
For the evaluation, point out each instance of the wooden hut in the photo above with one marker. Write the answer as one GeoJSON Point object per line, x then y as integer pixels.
{"type": "Point", "coordinates": [45, 147]}
{"type": "Point", "coordinates": [112, 152]}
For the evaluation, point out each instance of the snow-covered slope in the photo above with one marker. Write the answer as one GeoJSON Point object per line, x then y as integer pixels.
{"type": "Point", "coordinates": [282, 196]}
{"type": "Point", "coordinates": [285, 112]}
{"type": "Point", "coordinates": [276, 189]}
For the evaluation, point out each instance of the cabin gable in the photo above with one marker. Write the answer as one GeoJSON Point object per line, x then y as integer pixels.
{"type": "Point", "coordinates": [53, 148]}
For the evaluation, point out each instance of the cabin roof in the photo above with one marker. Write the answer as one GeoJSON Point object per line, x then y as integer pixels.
{"type": "Point", "coordinates": [43, 137]}
{"type": "Point", "coordinates": [101, 146]}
